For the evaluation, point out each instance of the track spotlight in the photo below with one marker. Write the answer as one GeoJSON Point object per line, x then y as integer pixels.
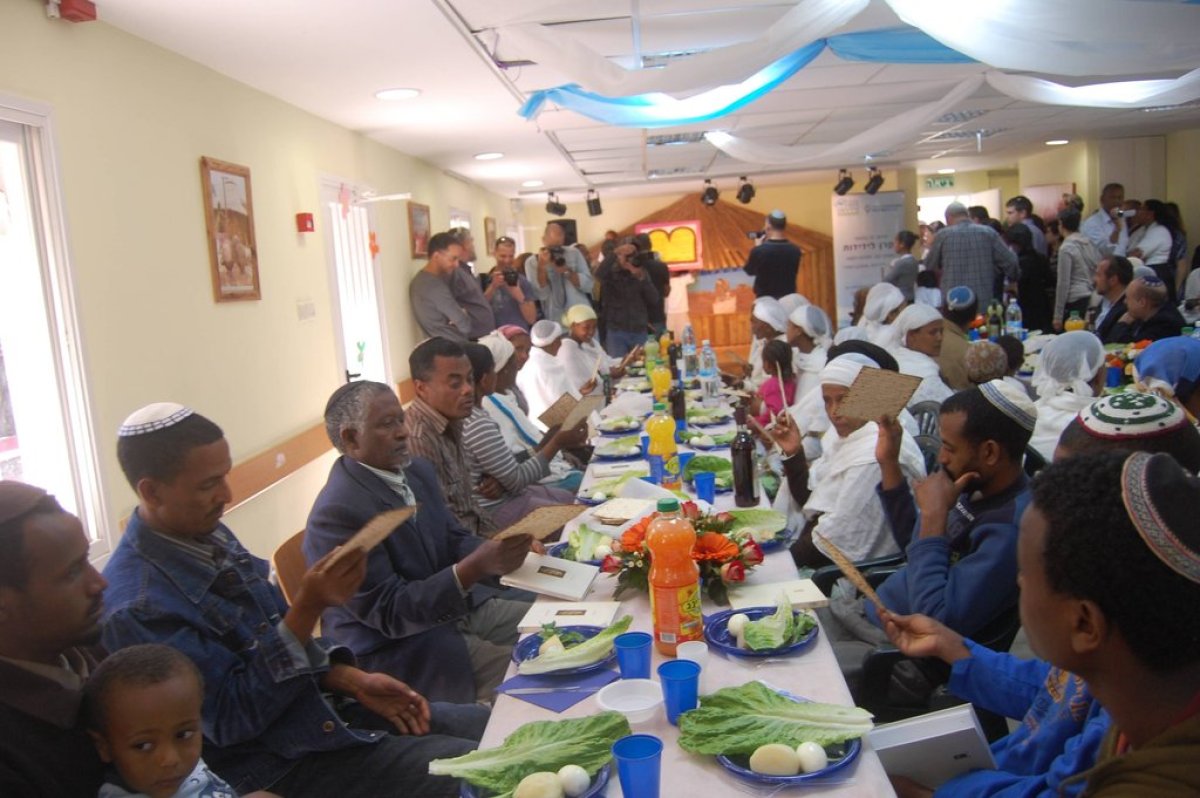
{"type": "Point", "coordinates": [845, 182]}
{"type": "Point", "coordinates": [874, 180]}
{"type": "Point", "coordinates": [709, 197]}
{"type": "Point", "coordinates": [745, 191]}
{"type": "Point", "coordinates": [553, 206]}
{"type": "Point", "coordinates": [593, 203]}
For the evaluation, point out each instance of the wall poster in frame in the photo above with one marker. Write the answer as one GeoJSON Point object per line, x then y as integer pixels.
{"type": "Point", "coordinates": [229, 221]}
{"type": "Point", "coordinates": [489, 234]}
{"type": "Point", "coordinates": [418, 229]}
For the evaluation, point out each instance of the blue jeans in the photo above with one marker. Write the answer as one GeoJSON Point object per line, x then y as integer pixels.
{"type": "Point", "coordinates": [621, 342]}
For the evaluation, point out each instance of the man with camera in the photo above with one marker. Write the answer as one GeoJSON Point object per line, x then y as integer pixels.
{"type": "Point", "coordinates": [509, 293]}
{"type": "Point", "coordinates": [559, 274]}
{"type": "Point", "coordinates": [1107, 227]}
{"type": "Point", "coordinates": [774, 262]}
{"type": "Point", "coordinates": [629, 298]}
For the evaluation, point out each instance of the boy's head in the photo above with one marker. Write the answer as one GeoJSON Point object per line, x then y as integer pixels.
{"type": "Point", "coordinates": [143, 708]}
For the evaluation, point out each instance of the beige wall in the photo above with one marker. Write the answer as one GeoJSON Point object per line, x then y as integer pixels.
{"type": "Point", "coordinates": [132, 123]}
{"type": "Point", "coordinates": [1183, 179]}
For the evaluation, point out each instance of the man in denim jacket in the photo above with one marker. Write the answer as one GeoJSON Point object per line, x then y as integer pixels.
{"type": "Point", "coordinates": [282, 710]}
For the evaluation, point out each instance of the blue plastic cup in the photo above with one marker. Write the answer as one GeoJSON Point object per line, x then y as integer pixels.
{"type": "Point", "coordinates": [645, 446]}
{"type": "Point", "coordinates": [681, 687]}
{"type": "Point", "coordinates": [639, 764]}
{"type": "Point", "coordinates": [684, 457]}
{"type": "Point", "coordinates": [705, 483]}
{"type": "Point", "coordinates": [633, 654]}
{"type": "Point", "coordinates": [1114, 377]}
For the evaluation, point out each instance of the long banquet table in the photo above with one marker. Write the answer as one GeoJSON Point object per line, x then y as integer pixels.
{"type": "Point", "coordinates": [813, 673]}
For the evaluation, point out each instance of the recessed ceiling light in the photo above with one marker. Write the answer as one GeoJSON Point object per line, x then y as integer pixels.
{"type": "Point", "coordinates": [489, 156]}
{"type": "Point", "coordinates": [945, 171]}
{"type": "Point", "coordinates": [397, 94]}
{"type": "Point", "coordinates": [1057, 142]}
{"type": "Point", "coordinates": [532, 184]}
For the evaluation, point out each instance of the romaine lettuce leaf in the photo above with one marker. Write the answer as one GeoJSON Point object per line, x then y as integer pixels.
{"type": "Point", "coordinates": [589, 651]}
{"type": "Point", "coordinates": [582, 543]}
{"type": "Point", "coordinates": [737, 720]}
{"type": "Point", "coordinates": [538, 746]}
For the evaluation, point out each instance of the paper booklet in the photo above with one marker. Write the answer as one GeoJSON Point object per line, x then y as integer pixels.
{"type": "Point", "coordinates": [878, 392]}
{"type": "Point", "coordinates": [804, 593]}
{"type": "Point", "coordinates": [551, 576]}
{"type": "Point", "coordinates": [556, 413]}
{"type": "Point", "coordinates": [375, 532]}
{"type": "Point", "coordinates": [542, 522]}
{"type": "Point", "coordinates": [567, 411]}
{"type": "Point", "coordinates": [569, 613]}
{"type": "Point", "coordinates": [933, 748]}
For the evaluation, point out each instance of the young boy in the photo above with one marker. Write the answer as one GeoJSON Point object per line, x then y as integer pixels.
{"type": "Point", "coordinates": [143, 713]}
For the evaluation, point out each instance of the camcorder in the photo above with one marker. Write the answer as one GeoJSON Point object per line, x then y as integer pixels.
{"type": "Point", "coordinates": [510, 276]}
{"type": "Point", "coordinates": [754, 235]}
{"type": "Point", "coordinates": [557, 254]}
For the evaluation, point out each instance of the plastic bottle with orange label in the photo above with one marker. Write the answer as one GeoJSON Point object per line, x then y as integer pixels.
{"type": "Point", "coordinates": [663, 451]}
{"type": "Point", "coordinates": [674, 579]}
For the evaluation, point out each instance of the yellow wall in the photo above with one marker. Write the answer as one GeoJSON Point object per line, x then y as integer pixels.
{"type": "Point", "coordinates": [132, 122]}
{"type": "Point", "coordinates": [1069, 163]}
{"type": "Point", "coordinates": [1183, 179]}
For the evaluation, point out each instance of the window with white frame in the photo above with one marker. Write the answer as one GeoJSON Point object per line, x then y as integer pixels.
{"type": "Point", "coordinates": [46, 436]}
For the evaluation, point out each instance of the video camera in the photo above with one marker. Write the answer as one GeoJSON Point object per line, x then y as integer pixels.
{"type": "Point", "coordinates": [557, 254]}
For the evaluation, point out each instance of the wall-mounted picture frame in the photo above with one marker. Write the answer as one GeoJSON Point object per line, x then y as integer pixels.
{"type": "Point", "coordinates": [489, 233]}
{"type": "Point", "coordinates": [229, 223]}
{"type": "Point", "coordinates": [418, 229]}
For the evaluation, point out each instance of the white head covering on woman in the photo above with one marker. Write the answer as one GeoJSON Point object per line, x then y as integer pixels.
{"type": "Point", "coordinates": [545, 332]}
{"type": "Point", "coordinates": [1062, 380]}
{"type": "Point", "coordinates": [766, 309]}
{"type": "Point", "coordinates": [882, 299]}
{"type": "Point", "coordinates": [918, 364]}
{"type": "Point", "coordinates": [808, 365]}
{"type": "Point", "coordinates": [501, 348]}
{"type": "Point", "coordinates": [790, 302]}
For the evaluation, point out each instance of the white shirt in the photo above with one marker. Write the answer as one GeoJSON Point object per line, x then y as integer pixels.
{"type": "Point", "coordinates": [1099, 228]}
{"type": "Point", "coordinates": [543, 381]}
{"type": "Point", "coordinates": [919, 364]}
{"type": "Point", "coordinates": [1154, 241]}
{"type": "Point", "coordinates": [579, 363]}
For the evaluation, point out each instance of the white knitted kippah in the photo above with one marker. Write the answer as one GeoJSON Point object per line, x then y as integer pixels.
{"type": "Point", "coordinates": [152, 418]}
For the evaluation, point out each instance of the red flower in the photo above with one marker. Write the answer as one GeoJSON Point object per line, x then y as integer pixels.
{"type": "Point", "coordinates": [752, 553]}
{"type": "Point", "coordinates": [689, 510]}
{"type": "Point", "coordinates": [610, 564]}
{"type": "Point", "coordinates": [733, 572]}
{"type": "Point", "coordinates": [725, 517]}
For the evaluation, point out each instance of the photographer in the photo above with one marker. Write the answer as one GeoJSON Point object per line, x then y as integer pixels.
{"type": "Point", "coordinates": [660, 275]}
{"type": "Point", "coordinates": [508, 292]}
{"type": "Point", "coordinates": [774, 262]}
{"type": "Point", "coordinates": [629, 298]}
{"type": "Point", "coordinates": [559, 274]}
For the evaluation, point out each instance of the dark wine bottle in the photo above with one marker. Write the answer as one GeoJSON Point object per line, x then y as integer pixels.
{"type": "Point", "coordinates": [745, 472]}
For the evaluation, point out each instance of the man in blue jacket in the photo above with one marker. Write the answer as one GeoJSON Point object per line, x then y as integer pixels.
{"type": "Point", "coordinates": [426, 611]}
{"type": "Point", "coordinates": [282, 709]}
{"type": "Point", "coordinates": [959, 528]}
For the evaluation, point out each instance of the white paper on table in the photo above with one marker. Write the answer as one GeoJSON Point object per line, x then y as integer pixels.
{"type": "Point", "coordinates": [803, 593]}
{"type": "Point", "coordinates": [628, 403]}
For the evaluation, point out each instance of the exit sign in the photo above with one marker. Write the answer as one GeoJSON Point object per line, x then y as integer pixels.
{"type": "Point", "coordinates": [940, 181]}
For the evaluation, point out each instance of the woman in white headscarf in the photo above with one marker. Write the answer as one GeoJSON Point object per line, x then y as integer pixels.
{"type": "Point", "coordinates": [808, 332]}
{"type": "Point", "coordinates": [836, 496]}
{"type": "Point", "coordinates": [790, 302]}
{"type": "Point", "coordinates": [918, 331]}
{"type": "Point", "coordinates": [768, 321]}
{"type": "Point", "coordinates": [543, 380]}
{"type": "Point", "coordinates": [883, 305]}
{"type": "Point", "coordinates": [1069, 376]}
{"type": "Point", "coordinates": [581, 356]}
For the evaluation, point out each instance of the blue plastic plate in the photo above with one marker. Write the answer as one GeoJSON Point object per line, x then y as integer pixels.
{"type": "Point", "coordinates": [599, 782]}
{"type": "Point", "coordinates": [716, 632]}
{"type": "Point", "coordinates": [702, 448]}
{"type": "Point", "coordinates": [709, 422]}
{"type": "Point", "coordinates": [784, 538]}
{"type": "Point", "coordinates": [620, 433]}
{"type": "Point", "coordinates": [528, 647]}
{"type": "Point", "coordinates": [559, 550]}
{"type": "Point", "coordinates": [840, 756]}
{"type": "Point", "coordinates": [599, 457]}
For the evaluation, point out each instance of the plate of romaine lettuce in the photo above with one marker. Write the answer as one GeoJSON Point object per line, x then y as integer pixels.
{"type": "Point", "coordinates": [584, 545]}
{"type": "Point", "coordinates": [761, 631]}
{"type": "Point", "coordinates": [621, 449]}
{"type": "Point", "coordinates": [620, 426]}
{"type": "Point", "coordinates": [767, 528]}
{"type": "Point", "coordinates": [704, 441]}
{"type": "Point", "coordinates": [719, 466]}
{"type": "Point", "coordinates": [566, 650]}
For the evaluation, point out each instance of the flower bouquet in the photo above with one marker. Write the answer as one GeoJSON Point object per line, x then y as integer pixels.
{"type": "Point", "coordinates": [723, 557]}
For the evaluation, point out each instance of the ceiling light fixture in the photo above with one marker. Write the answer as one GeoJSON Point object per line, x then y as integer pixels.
{"type": "Point", "coordinates": [489, 156]}
{"type": "Point", "coordinates": [397, 94]}
{"type": "Point", "coordinates": [553, 206]}
{"type": "Point", "coordinates": [745, 191]}
{"type": "Point", "coordinates": [709, 197]}
{"type": "Point", "coordinates": [1057, 142]}
{"type": "Point", "coordinates": [945, 171]}
{"type": "Point", "coordinates": [845, 182]}
{"type": "Point", "coordinates": [532, 184]}
{"type": "Point", "coordinates": [874, 180]}
{"type": "Point", "coordinates": [593, 203]}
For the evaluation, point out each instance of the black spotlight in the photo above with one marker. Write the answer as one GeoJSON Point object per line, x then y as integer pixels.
{"type": "Point", "coordinates": [709, 197]}
{"type": "Point", "coordinates": [845, 182]}
{"type": "Point", "coordinates": [874, 180]}
{"type": "Point", "coordinates": [745, 191]}
{"type": "Point", "coordinates": [553, 206]}
{"type": "Point", "coordinates": [593, 203]}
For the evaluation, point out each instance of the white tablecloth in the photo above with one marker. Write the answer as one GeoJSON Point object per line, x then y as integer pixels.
{"type": "Point", "coordinates": [813, 674]}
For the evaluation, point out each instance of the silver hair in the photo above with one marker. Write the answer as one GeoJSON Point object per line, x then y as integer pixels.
{"type": "Point", "coordinates": [348, 407]}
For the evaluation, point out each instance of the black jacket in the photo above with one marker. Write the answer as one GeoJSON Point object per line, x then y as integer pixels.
{"type": "Point", "coordinates": [1166, 323]}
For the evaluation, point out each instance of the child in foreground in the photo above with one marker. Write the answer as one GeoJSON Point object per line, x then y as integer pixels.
{"type": "Point", "coordinates": [143, 708]}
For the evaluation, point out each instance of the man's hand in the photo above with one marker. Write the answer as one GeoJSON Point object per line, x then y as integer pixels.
{"type": "Point", "coordinates": [783, 432]}
{"type": "Point", "coordinates": [907, 788]}
{"type": "Point", "coordinates": [935, 495]}
{"type": "Point", "coordinates": [922, 636]}
{"type": "Point", "coordinates": [1058, 325]}
{"type": "Point", "coordinates": [543, 258]}
{"type": "Point", "coordinates": [490, 487]}
{"type": "Point", "coordinates": [326, 585]}
{"type": "Point", "coordinates": [394, 701]}
{"type": "Point", "coordinates": [571, 438]}
{"type": "Point", "coordinates": [494, 558]}
{"type": "Point", "coordinates": [887, 447]}
{"type": "Point", "coordinates": [588, 387]}
{"type": "Point", "coordinates": [497, 276]}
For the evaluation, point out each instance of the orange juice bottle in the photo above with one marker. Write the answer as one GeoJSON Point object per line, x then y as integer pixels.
{"type": "Point", "coordinates": [674, 579]}
{"type": "Point", "coordinates": [660, 381]}
{"type": "Point", "coordinates": [664, 343]}
{"type": "Point", "coordinates": [663, 451]}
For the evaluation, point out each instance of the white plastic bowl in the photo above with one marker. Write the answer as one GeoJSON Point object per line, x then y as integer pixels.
{"type": "Point", "coordinates": [636, 699]}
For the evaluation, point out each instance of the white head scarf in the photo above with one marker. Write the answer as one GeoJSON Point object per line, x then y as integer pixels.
{"type": "Point", "coordinates": [814, 322]}
{"type": "Point", "coordinates": [578, 313]}
{"type": "Point", "coordinates": [546, 332]}
{"type": "Point", "coordinates": [843, 370]}
{"type": "Point", "coordinates": [501, 348]}
{"type": "Point", "coordinates": [792, 301]}
{"type": "Point", "coordinates": [882, 299]}
{"type": "Point", "coordinates": [914, 317]}
{"type": "Point", "coordinates": [851, 334]}
{"type": "Point", "coordinates": [769, 310]}
{"type": "Point", "coordinates": [1068, 363]}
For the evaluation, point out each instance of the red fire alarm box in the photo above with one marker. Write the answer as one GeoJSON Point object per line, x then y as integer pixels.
{"type": "Point", "coordinates": [304, 223]}
{"type": "Point", "coordinates": [77, 10]}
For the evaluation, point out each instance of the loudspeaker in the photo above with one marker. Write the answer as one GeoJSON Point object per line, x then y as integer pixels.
{"type": "Point", "coordinates": [570, 231]}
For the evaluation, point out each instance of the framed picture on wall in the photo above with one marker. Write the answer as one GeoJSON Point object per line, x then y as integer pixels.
{"type": "Point", "coordinates": [418, 229]}
{"type": "Point", "coordinates": [489, 233]}
{"type": "Point", "coordinates": [229, 221]}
